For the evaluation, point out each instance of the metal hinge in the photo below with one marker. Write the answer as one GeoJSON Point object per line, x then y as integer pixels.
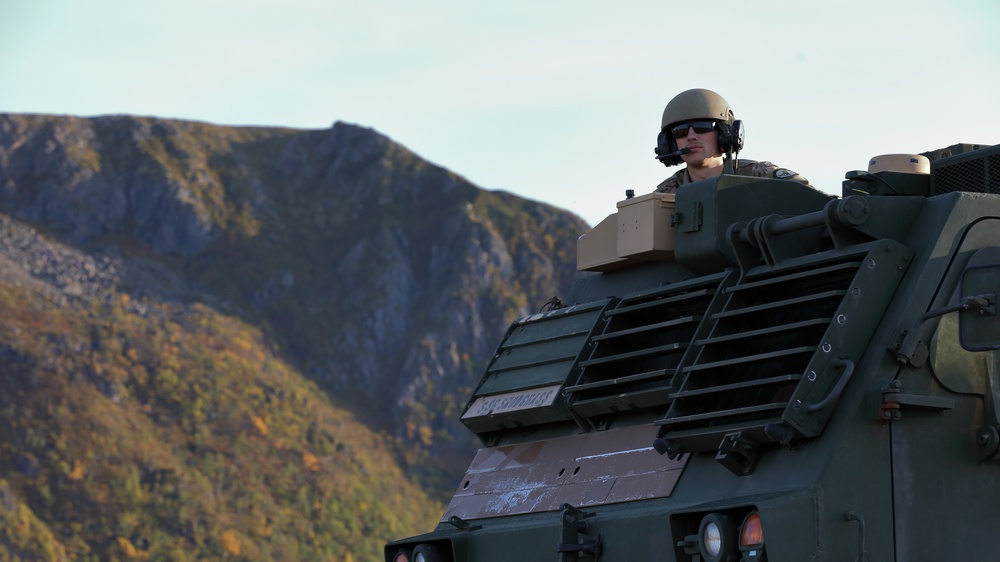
{"type": "Point", "coordinates": [689, 221]}
{"type": "Point", "coordinates": [893, 400]}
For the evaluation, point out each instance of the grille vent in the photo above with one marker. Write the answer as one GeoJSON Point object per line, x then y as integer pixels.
{"type": "Point", "coordinates": [634, 361]}
{"type": "Point", "coordinates": [977, 171]}
{"type": "Point", "coordinates": [769, 354]}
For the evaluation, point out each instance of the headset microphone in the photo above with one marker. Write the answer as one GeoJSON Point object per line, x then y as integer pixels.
{"type": "Point", "coordinates": [674, 154]}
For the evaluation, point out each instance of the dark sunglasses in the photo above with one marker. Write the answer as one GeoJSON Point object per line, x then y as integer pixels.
{"type": "Point", "coordinates": [700, 127]}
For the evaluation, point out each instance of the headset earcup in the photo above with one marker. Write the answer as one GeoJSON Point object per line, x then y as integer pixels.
{"type": "Point", "coordinates": [731, 136]}
{"type": "Point", "coordinates": [737, 132]}
{"type": "Point", "coordinates": [665, 144]}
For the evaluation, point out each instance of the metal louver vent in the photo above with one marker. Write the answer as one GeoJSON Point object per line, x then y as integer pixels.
{"type": "Point", "coordinates": [772, 352]}
{"type": "Point", "coordinates": [634, 360]}
{"type": "Point", "coordinates": [524, 380]}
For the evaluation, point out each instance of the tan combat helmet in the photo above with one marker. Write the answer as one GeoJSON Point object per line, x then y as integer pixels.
{"type": "Point", "coordinates": [694, 105]}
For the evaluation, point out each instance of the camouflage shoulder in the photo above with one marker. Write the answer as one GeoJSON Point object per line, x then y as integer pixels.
{"type": "Point", "coordinates": [671, 184]}
{"type": "Point", "coordinates": [765, 169]}
{"type": "Point", "coordinates": [746, 167]}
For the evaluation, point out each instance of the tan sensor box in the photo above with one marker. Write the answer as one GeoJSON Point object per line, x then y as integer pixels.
{"type": "Point", "coordinates": [639, 231]}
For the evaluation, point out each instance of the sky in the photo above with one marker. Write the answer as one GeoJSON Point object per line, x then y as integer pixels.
{"type": "Point", "coordinates": [555, 100]}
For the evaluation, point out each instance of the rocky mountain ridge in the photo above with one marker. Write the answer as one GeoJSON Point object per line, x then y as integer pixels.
{"type": "Point", "coordinates": [383, 279]}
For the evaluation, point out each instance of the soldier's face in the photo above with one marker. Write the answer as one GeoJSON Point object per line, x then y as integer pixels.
{"type": "Point", "coordinates": [703, 146]}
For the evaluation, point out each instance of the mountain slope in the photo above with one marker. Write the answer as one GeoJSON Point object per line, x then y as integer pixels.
{"type": "Point", "coordinates": [332, 266]}
{"type": "Point", "coordinates": [135, 429]}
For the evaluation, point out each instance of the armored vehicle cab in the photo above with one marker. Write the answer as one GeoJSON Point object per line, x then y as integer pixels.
{"type": "Point", "coordinates": [752, 370]}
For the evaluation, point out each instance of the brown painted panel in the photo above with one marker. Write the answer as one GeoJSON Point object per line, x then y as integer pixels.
{"type": "Point", "coordinates": [581, 470]}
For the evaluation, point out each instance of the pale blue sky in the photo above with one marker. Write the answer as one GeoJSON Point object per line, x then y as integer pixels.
{"type": "Point", "coordinates": [556, 100]}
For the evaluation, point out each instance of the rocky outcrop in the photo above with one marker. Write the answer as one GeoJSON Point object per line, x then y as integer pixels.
{"type": "Point", "coordinates": [84, 178]}
{"type": "Point", "coordinates": [387, 279]}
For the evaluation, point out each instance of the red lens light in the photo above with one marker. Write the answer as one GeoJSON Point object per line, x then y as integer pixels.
{"type": "Point", "coordinates": [752, 532]}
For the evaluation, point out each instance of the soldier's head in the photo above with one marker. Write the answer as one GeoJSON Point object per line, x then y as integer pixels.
{"type": "Point", "coordinates": [700, 120]}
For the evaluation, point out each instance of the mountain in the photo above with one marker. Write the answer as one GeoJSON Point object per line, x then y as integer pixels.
{"type": "Point", "coordinates": [244, 342]}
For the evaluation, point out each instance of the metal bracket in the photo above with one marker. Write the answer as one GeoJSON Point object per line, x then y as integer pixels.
{"type": "Point", "coordinates": [737, 453]}
{"type": "Point", "coordinates": [670, 448]}
{"type": "Point", "coordinates": [989, 305]}
{"type": "Point", "coordinates": [893, 401]}
{"type": "Point", "coordinates": [462, 524]}
{"type": "Point", "coordinates": [690, 546]}
{"type": "Point", "coordinates": [889, 407]}
{"type": "Point", "coordinates": [574, 524]}
{"type": "Point", "coordinates": [909, 348]}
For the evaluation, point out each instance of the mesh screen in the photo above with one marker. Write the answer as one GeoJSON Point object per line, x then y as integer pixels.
{"type": "Point", "coordinates": [980, 175]}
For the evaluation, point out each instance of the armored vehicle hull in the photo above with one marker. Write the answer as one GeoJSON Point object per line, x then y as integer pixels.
{"type": "Point", "coordinates": [791, 376]}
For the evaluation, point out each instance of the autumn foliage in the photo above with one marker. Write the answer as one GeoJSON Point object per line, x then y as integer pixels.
{"type": "Point", "coordinates": [150, 431]}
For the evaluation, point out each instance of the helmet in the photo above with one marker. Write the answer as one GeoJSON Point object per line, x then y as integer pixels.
{"type": "Point", "coordinates": [696, 104]}
{"type": "Point", "coordinates": [693, 105]}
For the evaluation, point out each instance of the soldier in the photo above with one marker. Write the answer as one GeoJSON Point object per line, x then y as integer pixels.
{"type": "Point", "coordinates": [700, 130]}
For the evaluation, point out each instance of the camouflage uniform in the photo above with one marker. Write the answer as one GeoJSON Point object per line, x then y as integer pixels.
{"type": "Point", "coordinates": [743, 168]}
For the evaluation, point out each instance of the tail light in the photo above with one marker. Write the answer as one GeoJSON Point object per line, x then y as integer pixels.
{"type": "Point", "coordinates": [752, 537]}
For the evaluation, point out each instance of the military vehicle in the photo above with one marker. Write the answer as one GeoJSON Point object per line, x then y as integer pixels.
{"type": "Point", "coordinates": [751, 369]}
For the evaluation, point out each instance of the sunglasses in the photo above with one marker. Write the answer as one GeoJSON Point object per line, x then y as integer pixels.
{"type": "Point", "coordinates": [700, 127]}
